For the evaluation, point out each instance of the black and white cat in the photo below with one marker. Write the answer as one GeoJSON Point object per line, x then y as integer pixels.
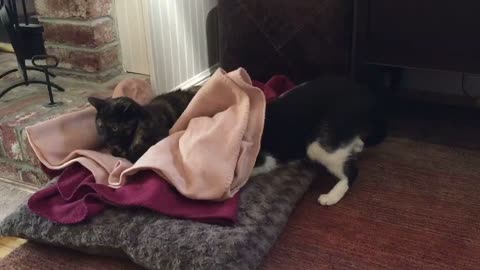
{"type": "Point", "coordinates": [327, 121]}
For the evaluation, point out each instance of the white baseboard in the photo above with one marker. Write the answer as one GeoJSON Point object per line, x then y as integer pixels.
{"type": "Point", "coordinates": [198, 79]}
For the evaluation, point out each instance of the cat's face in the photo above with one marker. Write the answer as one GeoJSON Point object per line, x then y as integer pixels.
{"type": "Point", "coordinates": [117, 119]}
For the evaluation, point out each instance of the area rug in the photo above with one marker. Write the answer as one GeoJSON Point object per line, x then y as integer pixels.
{"type": "Point", "coordinates": [415, 205]}
{"type": "Point", "coordinates": [33, 256]}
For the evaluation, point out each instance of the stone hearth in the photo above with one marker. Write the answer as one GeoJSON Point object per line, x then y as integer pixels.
{"type": "Point", "coordinates": [22, 107]}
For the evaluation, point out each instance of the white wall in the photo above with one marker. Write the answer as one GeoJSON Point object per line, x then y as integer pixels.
{"type": "Point", "coordinates": [179, 42]}
{"type": "Point", "coordinates": [133, 22]}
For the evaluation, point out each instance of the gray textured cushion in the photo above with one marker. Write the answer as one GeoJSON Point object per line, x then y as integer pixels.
{"type": "Point", "coordinates": [159, 242]}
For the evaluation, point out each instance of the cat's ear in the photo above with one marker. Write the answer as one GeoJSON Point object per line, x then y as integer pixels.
{"type": "Point", "coordinates": [133, 108]}
{"type": "Point", "coordinates": [98, 103]}
{"type": "Point", "coordinates": [129, 108]}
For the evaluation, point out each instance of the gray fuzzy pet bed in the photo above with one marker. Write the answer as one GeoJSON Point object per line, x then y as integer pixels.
{"type": "Point", "coordinates": [158, 242]}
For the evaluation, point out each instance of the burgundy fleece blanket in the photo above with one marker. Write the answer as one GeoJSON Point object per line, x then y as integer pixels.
{"type": "Point", "coordinates": [76, 196]}
{"type": "Point", "coordinates": [275, 87]}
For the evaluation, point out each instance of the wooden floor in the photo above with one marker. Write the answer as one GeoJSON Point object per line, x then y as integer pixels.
{"type": "Point", "coordinates": [8, 244]}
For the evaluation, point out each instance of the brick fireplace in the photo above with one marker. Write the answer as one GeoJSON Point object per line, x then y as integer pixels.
{"type": "Point", "coordinates": [82, 34]}
{"type": "Point", "coordinates": [24, 107]}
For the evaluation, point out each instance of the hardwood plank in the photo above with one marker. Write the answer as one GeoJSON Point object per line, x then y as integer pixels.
{"type": "Point", "coordinates": [8, 244]}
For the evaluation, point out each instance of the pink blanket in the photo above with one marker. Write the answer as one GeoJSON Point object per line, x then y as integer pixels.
{"type": "Point", "coordinates": [209, 154]}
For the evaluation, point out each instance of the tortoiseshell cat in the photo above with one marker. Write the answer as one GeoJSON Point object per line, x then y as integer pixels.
{"type": "Point", "coordinates": [129, 129]}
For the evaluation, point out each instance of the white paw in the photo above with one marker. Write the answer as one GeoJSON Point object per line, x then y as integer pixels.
{"type": "Point", "coordinates": [269, 165]}
{"type": "Point", "coordinates": [358, 146]}
{"type": "Point", "coordinates": [328, 199]}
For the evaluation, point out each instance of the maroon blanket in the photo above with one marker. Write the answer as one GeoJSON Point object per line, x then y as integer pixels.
{"type": "Point", "coordinates": [76, 197]}
{"type": "Point", "coordinates": [275, 87]}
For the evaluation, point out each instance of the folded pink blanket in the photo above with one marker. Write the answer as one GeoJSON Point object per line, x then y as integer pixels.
{"type": "Point", "coordinates": [76, 197]}
{"type": "Point", "coordinates": [209, 154]}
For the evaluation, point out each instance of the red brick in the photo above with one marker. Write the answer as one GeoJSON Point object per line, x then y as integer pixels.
{"type": "Point", "coordinates": [109, 58]}
{"type": "Point", "coordinates": [73, 9]}
{"type": "Point", "coordinates": [27, 115]}
{"type": "Point", "coordinates": [104, 32]}
{"type": "Point", "coordinates": [9, 171]}
{"type": "Point", "coordinates": [28, 155]}
{"type": "Point", "coordinates": [13, 106]}
{"type": "Point", "coordinates": [10, 143]}
{"type": "Point", "coordinates": [88, 61]}
{"type": "Point", "coordinates": [2, 151]}
{"type": "Point", "coordinates": [94, 35]}
{"type": "Point", "coordinates": [98, 77]}
{"type": "Point", "coordinates": [33, 177]}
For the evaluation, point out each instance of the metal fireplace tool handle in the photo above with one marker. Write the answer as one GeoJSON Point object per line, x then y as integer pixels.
{"type": "Point", "coordinates": [45, 66]}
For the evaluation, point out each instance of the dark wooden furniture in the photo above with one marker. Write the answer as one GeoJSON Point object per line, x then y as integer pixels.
{"type": "Point", "coordinates": [302, 39]}
{"type": "Point", "coordinates": [424, 34]}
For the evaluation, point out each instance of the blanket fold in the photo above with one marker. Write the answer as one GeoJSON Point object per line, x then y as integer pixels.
{"type": "Point", "coordinates": [214, 144]}
{"type": "Point", "coordinates": [209, 154]}
{"type": "Point", "coordinates": [76, 198]}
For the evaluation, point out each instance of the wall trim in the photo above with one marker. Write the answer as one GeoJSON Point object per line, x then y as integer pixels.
{"type": "Point", "coordinates": [197, 79]}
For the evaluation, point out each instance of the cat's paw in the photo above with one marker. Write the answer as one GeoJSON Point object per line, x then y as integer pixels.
{"type": "Point", "coordinates": [329, 199]}
{"type": "Point", "coordinates": [269, 164]}
{"type": "Point", "coordinates": [358, 145]}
